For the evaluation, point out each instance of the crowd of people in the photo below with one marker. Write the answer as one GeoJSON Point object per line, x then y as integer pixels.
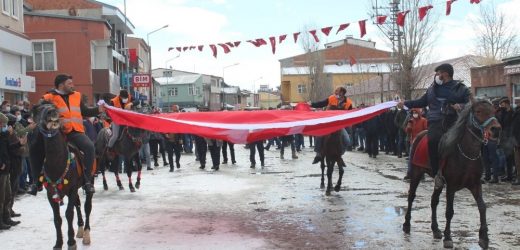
{"type": "Point", "coordinates": [391, 132]}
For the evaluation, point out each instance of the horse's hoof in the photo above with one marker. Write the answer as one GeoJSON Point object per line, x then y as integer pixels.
{"type": "Point", "coordinates": [137, 185]}
{"type": "Point", "coordinates": [448, 244]}
{"type": "Point", "coordinates": [73, 247]}
{"type": "Point", "coordinates": [337, 188]}
{"type": "Point", "coordinates": [484, 244]}
{"type": "Point", "coordinates": [86, 237]}
{"type": "Point", "coordinates": [322, 186]}
{"type": "Point", "coordinates": [406, 228]}
{"type": "Point", "coordinates": [327, 193]}
{"type": "Point", "coordinates": [121, 188]}
{"type": "Point", "coordinates": [80, 233]}
{"type": "Point", "coordinates": [132, 189]}
{"type": "Point", "coordinates": [437, 234]}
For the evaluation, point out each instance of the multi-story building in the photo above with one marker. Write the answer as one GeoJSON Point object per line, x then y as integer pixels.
{"type": "Point", "coordinates": [139, 60]}
{"type": "Point", "coordinates": [182, 90]}
{"type": "Point", "coordinates": [15, 47]}
{"type": "Point", "coordinates": [343, 63]}
{"type": "Point", "coordinates": [83, 38]}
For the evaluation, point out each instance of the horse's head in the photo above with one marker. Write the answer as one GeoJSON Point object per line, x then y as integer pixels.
{"type": "Point", "coordinates": [482, 117]}
{"type": "Point", "coordinates": [47, 118]}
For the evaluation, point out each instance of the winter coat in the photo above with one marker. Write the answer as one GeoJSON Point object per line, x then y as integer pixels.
{"type": "Point", "coordinates": [415, 126]}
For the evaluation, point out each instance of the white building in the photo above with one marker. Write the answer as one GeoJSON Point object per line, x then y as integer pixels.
{"type": "Point", "coordinates": [15, 47]}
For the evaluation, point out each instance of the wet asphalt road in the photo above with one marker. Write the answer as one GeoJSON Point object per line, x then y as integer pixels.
{"type": "Point", "coordinates": [280, 206]}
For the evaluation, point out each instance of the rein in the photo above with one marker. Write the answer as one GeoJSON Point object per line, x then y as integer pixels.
{"type": "Point", "coordinates": [483, 138]}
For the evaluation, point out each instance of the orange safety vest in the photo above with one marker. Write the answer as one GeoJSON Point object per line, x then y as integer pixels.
{"type": "Point", "coordinates": [117, 101]}
{"type": "Point", "coordinates": [333, 101]}
{"type": "Point", "coordinates": [70, 116]}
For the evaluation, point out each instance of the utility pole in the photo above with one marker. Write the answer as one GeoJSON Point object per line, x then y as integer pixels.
{"type": "Point", "coordinates": [127, 79]}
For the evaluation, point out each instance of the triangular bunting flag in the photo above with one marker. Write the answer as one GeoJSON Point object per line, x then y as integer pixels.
{"type": "Point", "coordinates": [381, 19]}
{"type": "Point", "coordinates": [236, 44]}
{"type": "Point", "coordinates": [326, 30]}
{"type": "Point", "coordinates": [362, 27]}
{"type": "Point", "coordinates": [214, 49]}
{"type": "Point", "coordinates": [423, 11]}
{"type": "Point", "coordinates": [281, 38]}
{"type": "Point", "coordinates": [342, 27]}
{"type": "Point", "coordinates": [401, 16]}
{"type": "Point", "coordinates": [192, 47]}
{"type": "Point", "coordinates": [474, 1]}
{"type": "Point", "coordinates": [448, 6]}
{"type": "Point", "coordinates": [313, 33]}
{"type": "Point", "coordinates": [200, 47]}
{"type": "Point", "coordinates": [273, 43]}
{"type": "Point", "coordinates": [179, 49]}
{"type": "Point", "coordinates": [170, 48]}
{"type": "Point", "coordinates": [352, 60]}
{"type": "Point", "coordinates": [230, 44]}
{"type": "Point", "coordinates": [295, 36]}
{"type": "Point", "coordinates": [225, 47]}
{"type": "Point", "coordinates": [185, 48]}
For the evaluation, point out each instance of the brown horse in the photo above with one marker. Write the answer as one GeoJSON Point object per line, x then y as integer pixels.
{"type": "Point", "coordinates": [331, 151]}
{"type": "Point", "coordinates": [460, 151]}
{"type": "Point", "coordinates": [61, 173]}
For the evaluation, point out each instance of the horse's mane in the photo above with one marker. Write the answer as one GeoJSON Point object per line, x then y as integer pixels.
{"type": "Point", "coordinates": [449, 140]}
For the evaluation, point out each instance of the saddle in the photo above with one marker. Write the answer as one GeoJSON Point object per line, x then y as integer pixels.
{"type": "Point", "coordinates": [420, 156]}
{"type": "Point", "coordinates": [78, 157]}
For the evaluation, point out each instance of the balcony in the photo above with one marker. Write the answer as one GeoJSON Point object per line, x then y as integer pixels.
{"type": "Point", "coordinates": [105, 81]}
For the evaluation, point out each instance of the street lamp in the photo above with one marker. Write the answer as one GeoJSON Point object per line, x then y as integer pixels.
{"type": "Point", "coordinates": [150, 57]}
{"type": "Point", "coordinates": [223, 69]}
{"type": "Point", "coordinates": [381, 83]}
{"type": "Point", "coordinates": [169, 60]}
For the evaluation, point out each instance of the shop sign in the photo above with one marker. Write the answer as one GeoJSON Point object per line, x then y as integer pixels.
{"type": "Point", "coordinates": [512, 70]}
{"type": "Point", "coordinates": [13, 82]}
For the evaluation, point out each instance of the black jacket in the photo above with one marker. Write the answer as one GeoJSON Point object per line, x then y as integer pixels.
{"type": "Point", "coordinates": [4, 153]}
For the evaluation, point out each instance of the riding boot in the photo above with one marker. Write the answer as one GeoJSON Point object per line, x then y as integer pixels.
{"type": "Point", "coordinates": [317, 158]}
{"type": "Point", "coordinates": [439, 181]}
{"type": "Point", "coordinates": [89, 187]}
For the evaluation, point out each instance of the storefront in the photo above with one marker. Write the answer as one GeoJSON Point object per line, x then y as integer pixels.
{"type": "Point", "coordinates": [14, 87]}
{"type": "Point", "coordinates": [512, 75]}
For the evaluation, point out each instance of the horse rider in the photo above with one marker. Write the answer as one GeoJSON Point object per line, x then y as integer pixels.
{"type": "Point", "coordinates": [71, 108]}
{"type": "Point", "coordinates": [445, 98]}
{"type": "Point", "coordinates": [123, 100]}
{"type": "Point", "coordinates": [341, 102]}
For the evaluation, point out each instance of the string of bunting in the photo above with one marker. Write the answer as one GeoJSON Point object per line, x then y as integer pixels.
{"type": "Point", "coordinates": [274, 40]}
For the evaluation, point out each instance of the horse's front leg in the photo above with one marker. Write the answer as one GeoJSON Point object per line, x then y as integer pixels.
{"type": "Point", "coordinates": [483, 232]}
{"type": "Point", "coordinates": [69, 214]}
{"type": "Point", "coordinates": [77, 205]}
{"type": "Point", "coordinates": [330, 169]}
{"type": "Point", "coordinates": [139, 168]}
{"type": "Point", "coordinates": [450, 196]}
{"type": "Point", "coordinates": [437, 234]}
{"type": "Point", "coordinates": [129, 165]}
{"type": "Point", "coordinates": [341, 171]}
{"type": "Point", "coordinates": [57, 222]}
{"type": "Point", "coordinates": [322, 165]}
{"type": "Point", "coordinates": [115, 166]}
{"type": "Point", "coordinates": [414, 183]}
{"type": "Point", "coordinates": [88, 210]}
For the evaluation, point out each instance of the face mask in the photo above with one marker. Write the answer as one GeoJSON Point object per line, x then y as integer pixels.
{"type": "Point", "coordinates": [18, 118]}
{"type": "Point", "coordinates": [4, 129]}
{"type": "Point", "coordinates": [8, 109]}
{"type": "Point", "coordinates": [415, 115]}
{"type": "Point", "coordinates": [91, 119]}
{"type": "Point", "coordinates": [124, 100]}
{"type": "Point", "coordinates": [438, 80]}
{"type": "Point", "coordinates": [338, 96]}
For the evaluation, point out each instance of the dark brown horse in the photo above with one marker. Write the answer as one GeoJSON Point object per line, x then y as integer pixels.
{"type": "Point", "coordinates": [127, 145]}
{"type": "Point", "coordinates": [460, 150]}
{"type": "Point", "coordinates": [331, 151]}
{"type": "Point", "coordinates": [61, 173]}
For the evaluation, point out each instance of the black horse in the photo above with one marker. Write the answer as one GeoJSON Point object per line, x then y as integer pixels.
{"type": "Point", "coordinates": [127, 145]}
{"type": "Point", "coordinates": [61, 173]}
{"type": "Point", "coordinates": [460, 150]}
{"type": "Point", "coordinates": [331, 151]}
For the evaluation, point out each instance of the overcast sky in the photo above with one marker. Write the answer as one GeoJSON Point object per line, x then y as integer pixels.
{"type": "Point", "coordinates": [203, 22]}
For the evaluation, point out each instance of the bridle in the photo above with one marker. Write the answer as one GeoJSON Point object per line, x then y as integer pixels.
{"type": "Point", "coordinates": [483, 138]}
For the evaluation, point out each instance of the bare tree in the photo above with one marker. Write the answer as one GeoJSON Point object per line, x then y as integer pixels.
{"type": "Point", "coordinates": [495, 37]}
{"type": "Point", "coordinates": [319, 85]}
{"type": "Point", "coordinates": [414, 43]}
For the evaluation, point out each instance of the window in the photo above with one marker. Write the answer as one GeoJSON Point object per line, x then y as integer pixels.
{"type": "Point", "coordinates": [44, 58]}
{"type": "Point", "coordinates": [190, 90]}
{"type": "Point", "coordinates": [14, 8]}
{"type": "Point", "coordinates": [302, 89]}
{"type": "Point", "coordinates": [497, 91]}
{"type": "Point", "coordinates": [5, 7]}
{"type": "Point", "coordinates": [167, 73]}
{"type": "Point", "coordinates": [197, 91]}
{"type": "Point", "coordinates": [349, 84]}
{"type": "Point", "coordinates": [173, 92]}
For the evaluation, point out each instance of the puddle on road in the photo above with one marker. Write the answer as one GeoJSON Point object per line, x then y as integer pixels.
{"type": "Point", "coordinates": [261, 210]}
{"type": "Point", "coordinates": [281, 172]}
{"type": "Point", "coordinates": [393, 212]}
{"type": "Point", "coordinates": [360, 244]}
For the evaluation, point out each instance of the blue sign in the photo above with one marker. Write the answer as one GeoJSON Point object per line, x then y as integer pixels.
{"type": "Point", "coordinates": [126, 79]}
{"type": "Point", "coordinates": [13, 82]}
{"type": "Point", "coordinates": [143, 97]}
